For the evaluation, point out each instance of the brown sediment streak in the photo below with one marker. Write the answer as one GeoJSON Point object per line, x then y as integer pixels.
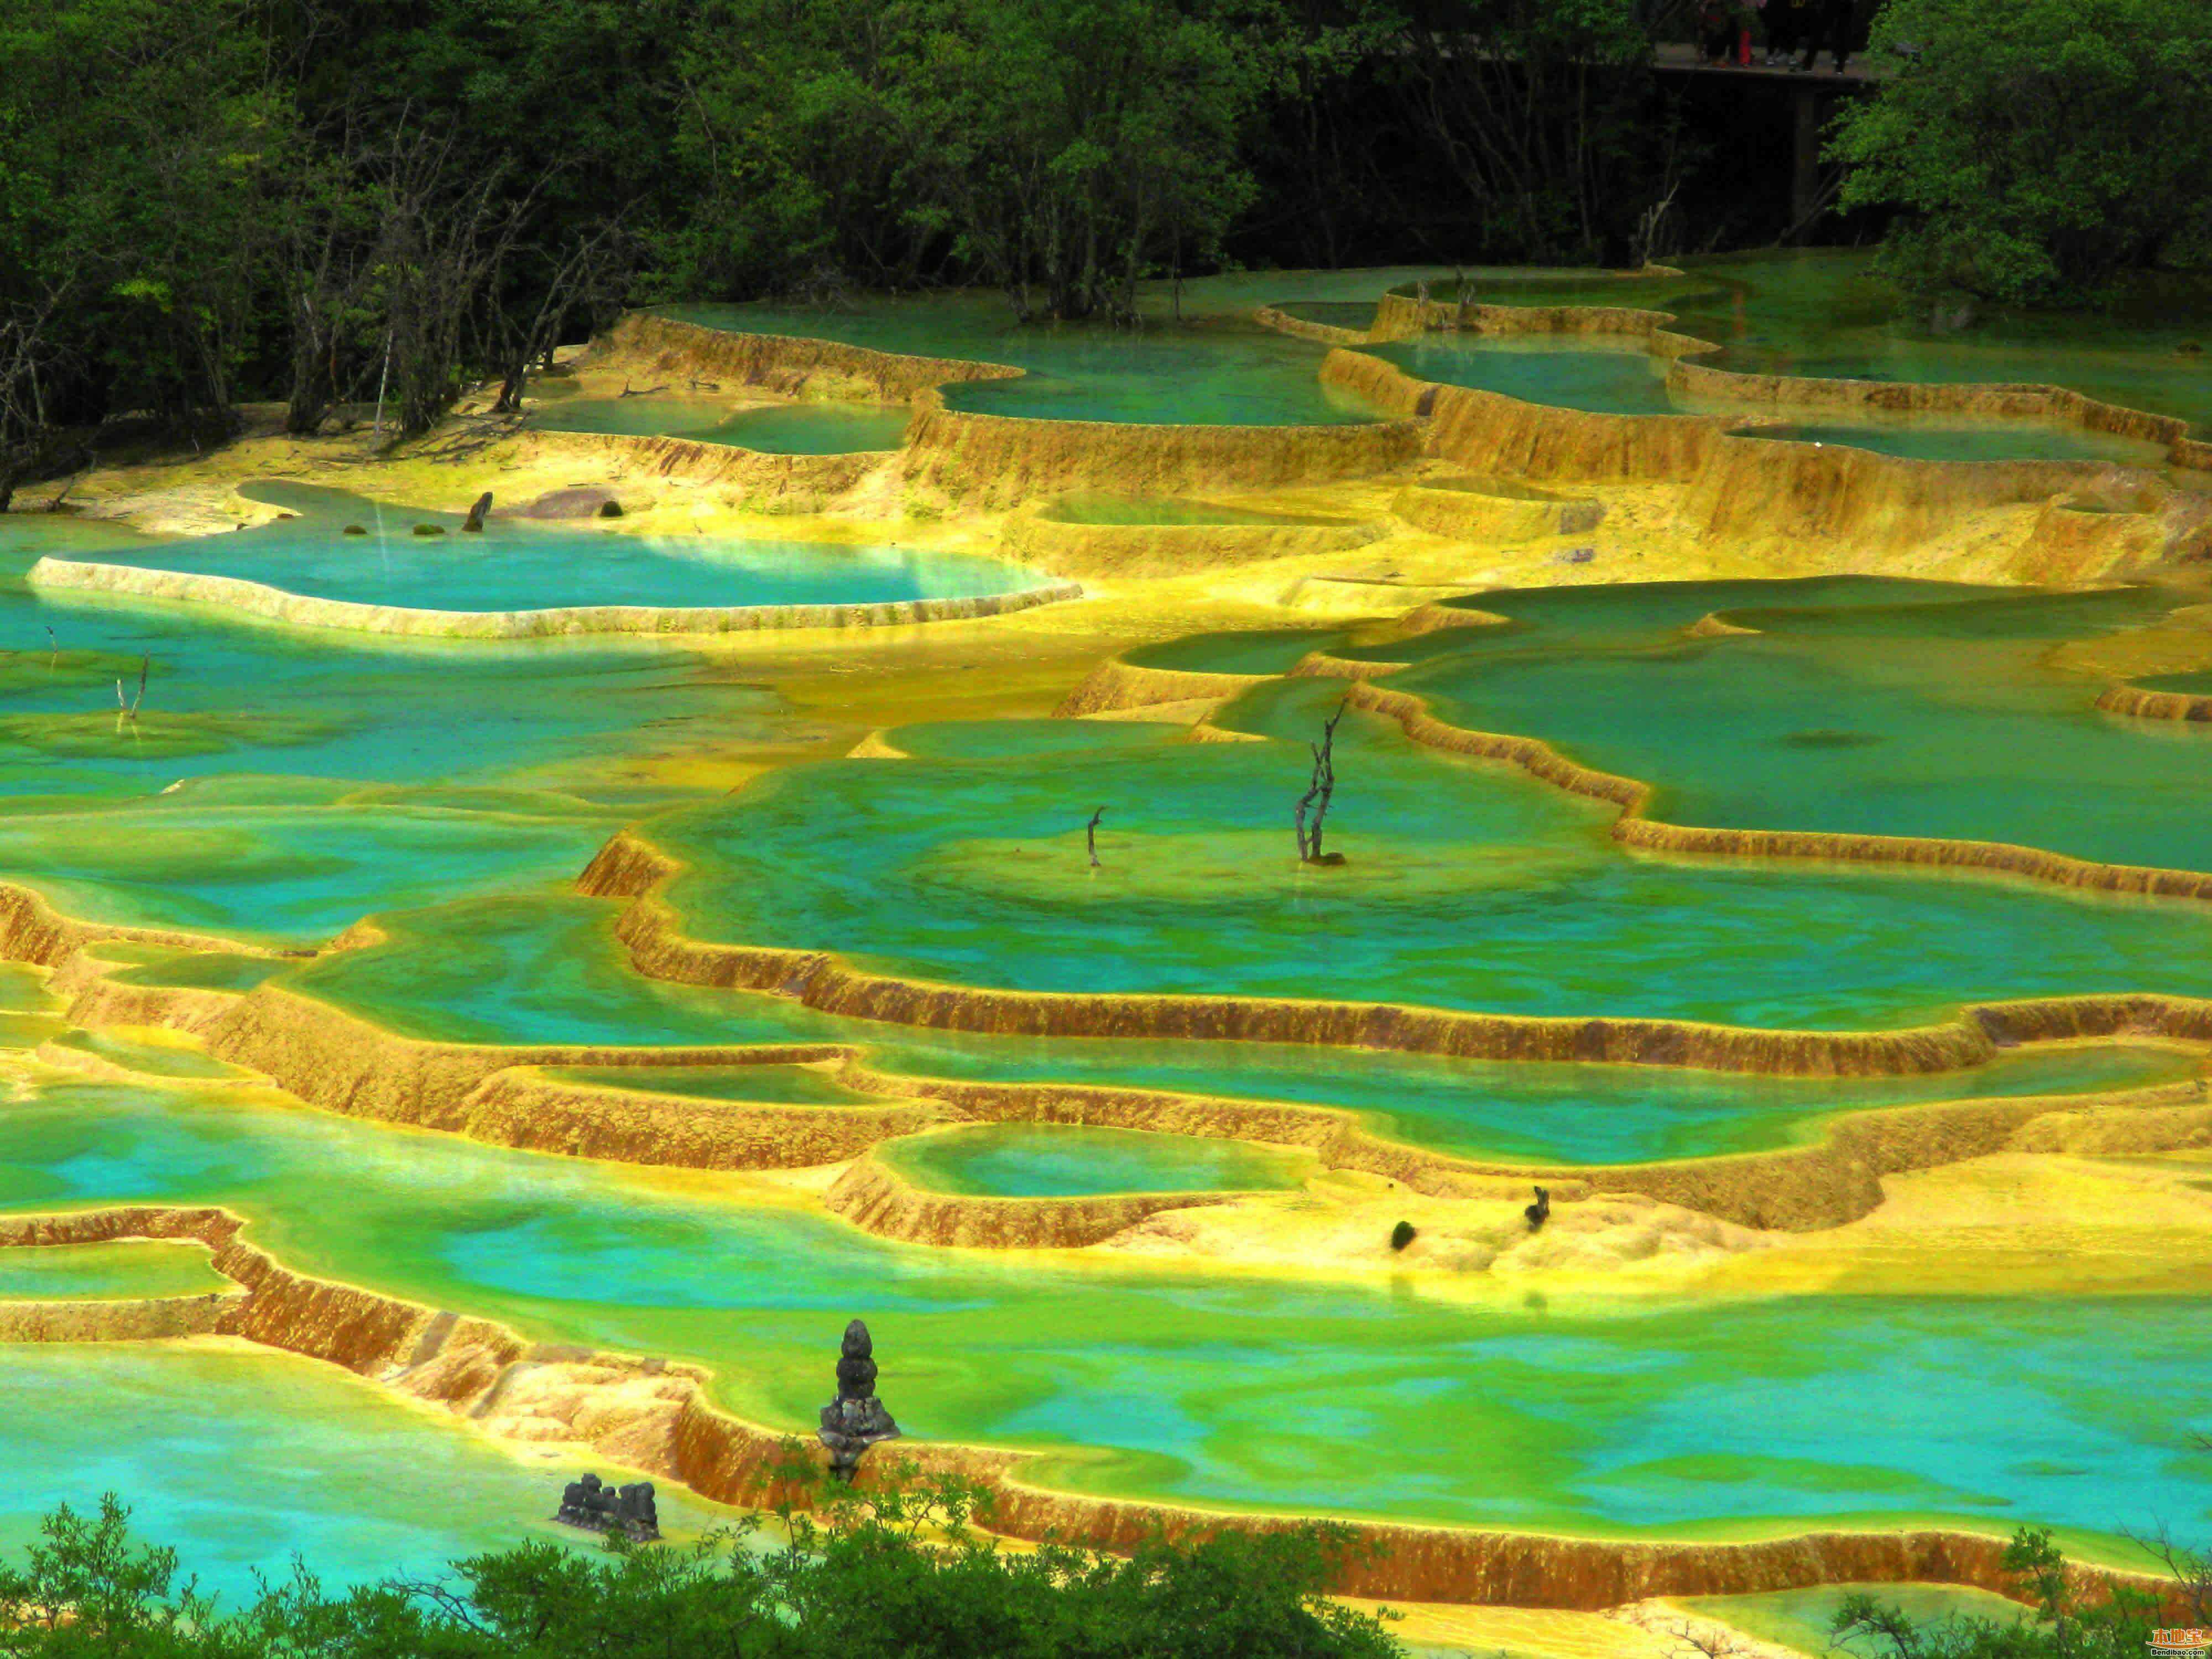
{"type": "Point", "coordinates": [1319, 665]}
{"type": "Point", "coordinates": [1532, 755]}
{"type": "Point", "coordinates": [2138, 704]}
{"type": "Point", "coordinates": [148, 1319]}
{"type": "Point", "coordinates": [879, 1200]}
{"type": "Point", "coordinates": [1474, 514]}
{"type": "Point", "coordinates": [1751, 487]}
{"type": "Point", "coordinates": [499, 1095]}
{"type": "Point", "coordinates": [789, 364]}
{"type": "Point", "coordinates": [1003, 460]}
{"type": "Point", "coordinates": [1487, 432]}
{"type": "Point", "coordinates": [1117, 684]}
{"type": "Point", "coordinates": [504, 1095]}
{"type": "Point", "coordinates": [1299, 328]}
{"type": "Point", "coordinates": [1434, 618]}
{"type": "Point", "coordinates": [522, 1106]}
{"type": "Point", "coordinates": [1169, 550]}
{"type": "Point", "coordinates": [259, 600]}
{"type": "Point", "coordinates": [1632, 795]}
{"type": "Point", "coordinates": [655, 1415]}
{"type": "Point", "coordinates": [32, 930]}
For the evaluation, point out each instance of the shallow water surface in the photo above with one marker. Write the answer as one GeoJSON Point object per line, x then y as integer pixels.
{"type": "Point", "coordinates": [240, 1459]}
{"type": "Point", "coordinates": [808, 428]}
{"type": "Point", "coordinates": [1938, 713]}
{"type": "Point", "coordinates": [1225, 371]}
{"type": "Point", "coordinates": [975, 872]}
{"type": "Point", "coordinates": [1140, 1379]}
{"type": "Point", "coordinates": [1602, 374]}
{"type": "Point", "coordinates": [1053, 1160]}
{"type": "Point", "coordinates": [514, 564]}
{"type": "Point", "coordinates": [1828, 312]}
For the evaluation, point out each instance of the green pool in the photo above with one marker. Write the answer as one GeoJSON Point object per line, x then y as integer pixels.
{"type": "Point", "coordinates": [241, 1459]}
{"type": "Point", "coordinates": [1630, 1417]}
{"type": "Point", "coordinates": [1604, 375]}
{"type": "Point", "coordinates": [1056, 1160]}
{"type": "Point", "coordinates": [1938, 713]}
{"type": "Point", "coordinates": [776, 430]}
{"type": "Point", "coordinates": [975, 872]}
{"type": "Point", "coordinates": [1828, 312]}
{"type": "Point", "coordinates": [1224, 370]}
{"type": "Point", "coordinates": [514, 564]}
{"type": "Point", "coordinates": [276, 788]}
{"type": "Point", "coordinates": [106, 1272]}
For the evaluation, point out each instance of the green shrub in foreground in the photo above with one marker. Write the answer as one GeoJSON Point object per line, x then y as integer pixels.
{"type": "Point", "coordinates": [897, 1575]}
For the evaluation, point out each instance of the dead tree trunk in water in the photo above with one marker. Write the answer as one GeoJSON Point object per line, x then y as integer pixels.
{"type": "Point", "coordinates": [1319, 789]}
{"type": "Point", "coordinates": [1091, 836]}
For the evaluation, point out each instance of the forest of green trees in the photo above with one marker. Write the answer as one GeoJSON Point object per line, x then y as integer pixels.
{"type": "Point", "coordinates": [321, 202]}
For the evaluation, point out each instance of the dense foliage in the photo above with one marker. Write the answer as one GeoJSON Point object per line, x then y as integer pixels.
{"type": "Point", "coordinates": [901, 1577]}
{"type": "Point", "coordinates": [2116, 1624]}
{"type": "Point", "coordinates": [341, 203]}
{"type": "Point", "coordinates": [2039, 149]}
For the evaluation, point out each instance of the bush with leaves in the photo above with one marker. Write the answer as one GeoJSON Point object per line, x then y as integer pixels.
{"type": "Point", "coordinates": [2116, 1625]}
{"type": "Point", "coordinates": [899, 1573]}
{"type": "Point", "coordinates": [2039, 150]}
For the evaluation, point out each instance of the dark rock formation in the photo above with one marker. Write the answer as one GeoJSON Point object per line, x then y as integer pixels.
{"type": "Point", "coordinates": [855, 1419]}
{"type": "Point", "coordinates": [475, 520]}
{"type": "Point", "coordinates": [577, 502]}
{"type": "Point", "coordinates": [628, 1509]}
{"type": "Point", "coordinates": [355, 530]}
{"type": "Point", "coordinates": [1541, 1210]}
{"type": "Point", "coordinates": [429, 530]}
{"type": "Point", "coordinates": [1402, 1235]}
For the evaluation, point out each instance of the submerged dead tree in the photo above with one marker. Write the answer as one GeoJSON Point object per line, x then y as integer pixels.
{"type": "Point", "coordinates": [1091, 836]}
{"type": "Point", "coordinates": [1319, 789]}
{"type": "Point", "coordinates": [127, 708]}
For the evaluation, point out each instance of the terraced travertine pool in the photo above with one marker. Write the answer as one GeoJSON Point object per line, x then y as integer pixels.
{"type": "Point", "coordinates": [240, 1458]}
{"type": "Point", "coordinates": [773, 429]}
{"type": "Point", "coordinates": [1825, 313]}
{"type": "Point", "coordinates": [1218, 371]}
{"type": "Point", "coordinates": [1775, 1295]}
{"type": "Point", "coordinates": [513, 564]}
{"type": "Point", "coordinates": [1640, 1417]}
{"type": "Point", "coordinates": [911, 868]}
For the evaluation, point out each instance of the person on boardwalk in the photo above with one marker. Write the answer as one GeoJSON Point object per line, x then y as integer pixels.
{"type": "Point", "coordinates": [1829, 22]}
{"type": "Point", "coordinates": [1785, 32]}
{"type": "Point", "coordinates": [1716, 30]}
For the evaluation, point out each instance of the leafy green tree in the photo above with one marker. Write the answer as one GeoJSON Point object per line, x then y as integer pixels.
{"type": "Point", "coordinates": [138, 143]}
{"type": "Point", "coordinates": [2037, 150]}
{"type": "Point", "coordinates": [1069, 147]}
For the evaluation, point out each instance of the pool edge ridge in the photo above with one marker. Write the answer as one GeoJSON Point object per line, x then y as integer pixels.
{"type": "Point", "coordinates": [1541, 760]}
{"type": "Point", "coordinates": [263, 603]}
{"type": "Point", "coordinates": [659, 1414]}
